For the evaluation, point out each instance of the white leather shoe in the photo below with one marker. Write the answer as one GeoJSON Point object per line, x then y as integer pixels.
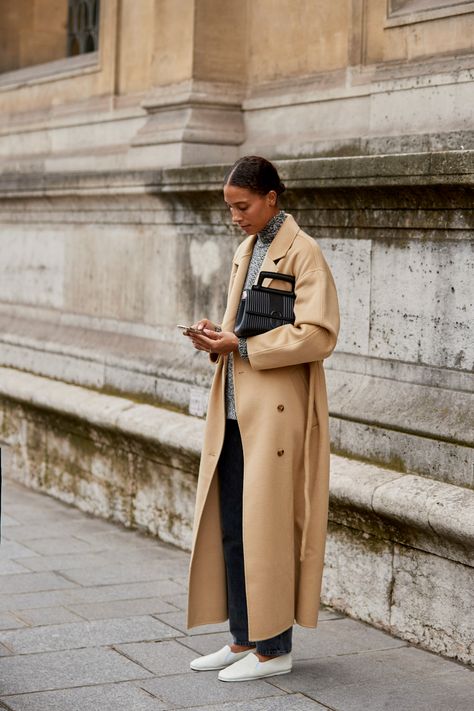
{"type": "Point", "coordinates": [250, 667]}
{"type": "Point", "coordinates": [218, 660]}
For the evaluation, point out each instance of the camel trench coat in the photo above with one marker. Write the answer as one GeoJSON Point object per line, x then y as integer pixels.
{"type": "Point", "coordinates": [282, 411]}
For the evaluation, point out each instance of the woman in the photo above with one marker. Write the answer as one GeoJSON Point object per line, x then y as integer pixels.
{"type": "Point", "coordinates": [262, 498]}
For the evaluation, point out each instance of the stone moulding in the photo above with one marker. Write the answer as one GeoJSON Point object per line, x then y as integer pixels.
{"type": "Point", "coordinates": [196, 112]}
{"type": "Point", "coordinates": [413, 510]}
{"type": "Point", "coordinates": [137, 464]}
{"type": "Point", "coordinates": [188, 115]}
{"type": "Point", "coordinates": [50, 71]}
{"type": "Point", "coordinates": [399, 14]}
{"type": "Point", "coordinates": [410, 169]}
{"type": "Point", "coordinates": [378, 408]}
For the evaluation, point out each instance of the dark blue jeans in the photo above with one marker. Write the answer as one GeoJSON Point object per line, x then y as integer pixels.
{"type": "Point", "coordinates": [231, 476]}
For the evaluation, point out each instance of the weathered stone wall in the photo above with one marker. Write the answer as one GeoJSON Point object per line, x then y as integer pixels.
{"type": "Point", "coordinates": [97, 271]}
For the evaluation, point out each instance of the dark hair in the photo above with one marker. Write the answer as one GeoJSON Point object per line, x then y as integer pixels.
{"type": "Point", "coordinates": [256, 174]}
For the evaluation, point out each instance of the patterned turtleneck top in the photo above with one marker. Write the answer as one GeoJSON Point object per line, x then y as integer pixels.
{"type": "Point", "coordinates": [262, 243]}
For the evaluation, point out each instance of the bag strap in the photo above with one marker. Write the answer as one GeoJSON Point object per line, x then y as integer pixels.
{"type": "Point", "coordinates": [276, 275]}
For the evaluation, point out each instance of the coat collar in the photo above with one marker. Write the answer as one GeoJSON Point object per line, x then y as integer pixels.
{"type": "Point", "coordinates": [279, 246]}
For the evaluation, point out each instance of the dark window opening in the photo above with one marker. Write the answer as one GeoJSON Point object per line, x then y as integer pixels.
{"type": "Point", "coordinates": [83, 26]}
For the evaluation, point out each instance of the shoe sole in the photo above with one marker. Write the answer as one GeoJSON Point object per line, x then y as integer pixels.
{"type": "Point", "coordinates": [222, 666]}
{"type": "Point", "coordinates": [209, 668]}
{"type": "Point", "coordinates": [260, 676]}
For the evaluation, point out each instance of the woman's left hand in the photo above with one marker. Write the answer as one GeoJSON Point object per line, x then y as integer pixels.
{"type": "Point", "coordinates": [222, 342]}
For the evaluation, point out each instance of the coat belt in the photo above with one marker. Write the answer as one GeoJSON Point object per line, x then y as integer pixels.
{"type": "Point", "coordinates": [307, 464]}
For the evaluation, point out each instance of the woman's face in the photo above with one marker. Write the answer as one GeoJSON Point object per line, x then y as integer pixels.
{"type": "Point", "coordinates": [249, 210]}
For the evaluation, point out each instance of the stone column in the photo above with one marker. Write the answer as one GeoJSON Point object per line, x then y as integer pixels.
{"type": "Point", "coordinates": [197, 116]}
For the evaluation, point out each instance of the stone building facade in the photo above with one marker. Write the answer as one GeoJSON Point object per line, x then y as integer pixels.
{"type": "Point", "coordinates": [117, 122]}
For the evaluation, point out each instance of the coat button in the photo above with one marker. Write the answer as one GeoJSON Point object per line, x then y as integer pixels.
{"type": "Point", "coordinates": [281, 452]}
{"type": "Point", "coordinates": [280, 408]}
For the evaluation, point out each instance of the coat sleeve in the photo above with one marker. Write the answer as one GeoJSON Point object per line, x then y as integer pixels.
{"type": "Point", "coordinates": [314, 333]}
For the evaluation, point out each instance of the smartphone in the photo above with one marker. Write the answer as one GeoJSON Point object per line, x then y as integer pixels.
{"type": "Point", "coordinates": [189, 329]}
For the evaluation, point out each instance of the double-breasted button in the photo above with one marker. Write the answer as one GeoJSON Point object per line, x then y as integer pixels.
{"type": "Point", "coordinates": [280, 408]}
{"type": "Point", "coordinates": [281, 452]}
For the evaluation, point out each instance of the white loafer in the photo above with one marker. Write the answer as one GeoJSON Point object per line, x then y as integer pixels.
{"type": "Point", "coordinates": [218, 660]}
{"type": "Point", "coordinates": [252, 668]}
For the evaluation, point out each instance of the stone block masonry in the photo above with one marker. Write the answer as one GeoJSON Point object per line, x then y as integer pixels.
{"type": "Point", "coordinates": [125, 256]}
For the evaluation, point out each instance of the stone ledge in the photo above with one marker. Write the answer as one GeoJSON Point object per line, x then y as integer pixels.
{"type": "Point", "coordinates": [172, 430]}
{"type": "Point", "coordinates": [50, 71]}
{"type": "Point", "coordinates": [403, 169]}
{"type": "Point", "coordinates": [391, 404]}
{"type": "Point", "coordinates": [400, 421]}
{"type": "Point", "coordinates": [423, 410]}
{"type": "Point", "coordinates": [429, 515]}
{"type": "Point", "coordinates": [409, 509]}
{"type": "Point", "coordinates": [150, 364]}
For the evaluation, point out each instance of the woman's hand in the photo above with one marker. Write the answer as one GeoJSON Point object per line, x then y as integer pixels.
{"type": "Point", "coordinates": [222, 342]}
{"type": "Point", "coordinates": [204, 323]}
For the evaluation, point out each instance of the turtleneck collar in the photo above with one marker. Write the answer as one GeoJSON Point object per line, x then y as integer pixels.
{"type": "Point", "coordinates": [271, 228]}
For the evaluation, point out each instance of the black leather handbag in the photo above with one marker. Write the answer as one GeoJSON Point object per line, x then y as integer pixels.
{"type": "Point", "coordinates": [261, 308]}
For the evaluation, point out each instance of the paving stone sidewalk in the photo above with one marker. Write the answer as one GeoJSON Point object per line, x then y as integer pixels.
{"type": "Point", "coordinates": [92, 618]}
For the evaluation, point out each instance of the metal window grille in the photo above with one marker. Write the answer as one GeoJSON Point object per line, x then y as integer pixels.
{"type": "Point", "coordinates": [83, 26]}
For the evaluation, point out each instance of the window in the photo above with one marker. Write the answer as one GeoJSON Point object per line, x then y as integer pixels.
{"type": "Point", "coordinates": [405, 12]}
{"type": "Point", "coordinates": [404, 6]}
{"type": "Point", "coordinates": [83, 26]}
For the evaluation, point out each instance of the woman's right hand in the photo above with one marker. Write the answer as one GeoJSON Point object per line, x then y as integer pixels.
{"type": "Point", "coordinates": [204, 323]}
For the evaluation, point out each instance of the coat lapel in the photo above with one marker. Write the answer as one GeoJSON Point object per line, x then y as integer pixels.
{"type": "Point", "coordinates": [280, 245]}
{"type": "Point", "coordinates": [241, 264]}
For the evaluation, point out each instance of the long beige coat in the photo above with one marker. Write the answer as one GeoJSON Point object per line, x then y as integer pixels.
{"type": "Point", "coordinates": [282, 410]}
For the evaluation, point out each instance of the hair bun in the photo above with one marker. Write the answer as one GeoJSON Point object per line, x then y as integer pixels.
{"type": "Point", "coordinates": [256, 174]}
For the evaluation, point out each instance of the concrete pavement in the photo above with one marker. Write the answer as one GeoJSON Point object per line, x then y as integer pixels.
{"type": "Point", "coordinates": [92, 616]}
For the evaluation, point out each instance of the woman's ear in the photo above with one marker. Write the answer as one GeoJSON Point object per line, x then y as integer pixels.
{"type": "Point", "coordinates": [272, 198]}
